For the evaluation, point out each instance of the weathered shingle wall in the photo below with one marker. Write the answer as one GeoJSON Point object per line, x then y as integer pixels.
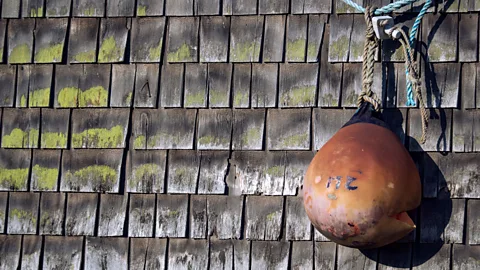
{"type": "Point", "coordinates": [146, 134]}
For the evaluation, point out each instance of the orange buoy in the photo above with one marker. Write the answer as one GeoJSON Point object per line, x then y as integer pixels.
{"type": "Point", "coordinates": [361, 183]}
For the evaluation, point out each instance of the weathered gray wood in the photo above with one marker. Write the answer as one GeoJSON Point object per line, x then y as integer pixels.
{"type": "Point", "coordinates": [430, 173]}
{"type": "Point", "coordinates": [52, 206]}
{"type": "Point", "coordinates": [245, 38]}
{"type": "Point", "coordinates": [270, 255]}
{"type": "Point", "coordinates": [113, 40]}
{"type": "Point", "coordinates": [438, 135]}
{"type": "Point", "coordinates": [288, 129]}
{"type": "Point", "coordinates": [11, 9]}
{"type": "Point", "coordinates": [342, 7]}
{"type": "Point", "coordinates": [311, 6]}
{"type": "Point", "coordinates": [141, 215]}
{"type": "Point", "coordinates": [14, 169]}
{"type": "Point", "coordinates": [461, 175]}
{"type": "Point", "coordinates": [330, 75]}
{"type": "Point", "coordinates": [3, 211]}
{"type": "Point", "coordinates": [295, 169]}
{"type": "Point", "coordinates": [225, 216]}
{"type": "Point", "coordinates": [3, 34]}
{"type": "Point", "coordinates": [31, 249]}
{"type": "Point", "coordinates": [108, 253]}
{"type": "Point", "coordinates": [7, 80]}
{"type": "Point", "coordinates": [145, 46]}
{"type": "Point", "coordinates": [423, 259]}
{"type": "Point", "coordinates": [146, 171]}
{"type": "Point", "coordinates": [441, 85]}
{"type": "Point", "coordinates": [357, 39]}
{"type": "Point", "coordinates": [183, 167]}
{"type": "Point", "coordinates": [20, 128]}
{"type": "Point", "coordinates": [198, 216]}
{"type": "Point", "coordinates": [171, 216]}
{"type": "Point", "coordinates": [91, 170]}
{"type": "Point", "coordinates": [63, 252]}
{"type": "Point", "coordinates": [20, 41]}
{"type": "Point", "coordinates": [468, 85]}
{"type": "Point", "coordinates": [214, 129]}
{"type": "Point", "coordinates": [263, 219]}
{"type": "Point", "coordinates": [239, 7]}
{"type": "Point", "coordinates": [325, 255]}
{"type": "Point", "coordinates": [302, 255]}
{"type": "Point", "coordinates": [466, 257]}
{"type": "Point", "coordinates": [188, 254]}
{"type": "Point", "coordinates": [120, 8]}
{"type": "Point", "coordinates": [339, 40]}
{"type": "Point", "coordinates": [195, 94]}
{"type": "Point", "coordinates": [55, 124]}
{"type": "Point", "coordinates": [32, 8]}
{"type": "Point", "coordinates": [298, 224]}
{"type": "Point", "coordinates": [463, 135]}
{"type": "Point", "coordinates": [82, 42]}
{"type": "Point", "coordinates": [81, 213]}
{"type": "Point", "coordinates": [351, 258]}
{"type": "Point", "coordinates": [123, 84]}
{"type": "Point", "coordinates": [23, 213]}
{"type": "Point", "coordinates": [248, 129]}
{"type": "Point", "coordinates": [213, 171]}
{"type": "Point", "coordinates": [182, 38]}
{"type": "Point", "coordinates": [441, 47]}
{"type": "Point", "coordinates": [352, 84]}
{"type": "Point", "coordinates": [58, 8]}
{"type": "Point", "coordinates": [147, 253]}
{"type": "Point", "coordinates": [466, 5]}
{"type": "Point", "coordinates": [99, 128]}
{"type": "Point", "coordinates": [113, 209]}
{"type": "Point", "coordinates": [10, 249]}
{"type": "Point", "coordinates": [49, 40]}
{"type": "Point", "coordinates": [34, 86]}
{"type": "Point", "coordinates": [298, 85]}
{"type": "Point", "coordinates": [179, 8]}
{"type": "Point", "coordinates": [296, 50]}
{"type": "Point", "coordinates": [171, 87]}
{"type": "Point", "coordinates": [241, 85]}
{"type": "Point", "coordinates": [467, 40]}
{"type": "Point", "coordinates": [274, 179]}
{"type": "Point", "coordinates": [163, 129]}
{"type": "Point", "coordinates": [207, 7]}
{"type": "Point", "coordinates": [317, 37]}
{"type": "Point", "coordinates": [473, 218]}
{"type": "Point", "coordinates": [434, 216]}
{"type": "Point", "coordinates": [214, 34]}
{"type": "Point", "coordinates": [249, 172]}
{"type": "Point", "coordinates": [45, 170]}
{"type": "Point", "coordinates": [218, 82]}
{"type": "Point", "coordinates": [149, 8]}
{"type": "Point", "coordinates": [221, 254]}
{"type": "Point", "coordinates": [273, 6]}
{"type": "Point", "coordinates": [89, 8]}
{"type": "Point", "coordinates": [453, 232]}
{"type": "Point", "coordinates": [23, 80]}
{"type": "Point", "coordinates": [274, 38]}
{"type": "Point", "coordinates": [396, 119]}
{"type": "Point", "coordinates": [241, 254]}
{"type": "Point", "coordinates": [476, 132]}
{"type": "Point", "coordinates": [264, 85]}
{"type": "Point", "coordinates": [146, 85]}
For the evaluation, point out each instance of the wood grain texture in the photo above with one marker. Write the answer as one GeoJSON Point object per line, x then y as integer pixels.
{"type": "Point", "coordinates": [123, 84]}
{"type": "Point", "coordinates": [10, 248]}
{"type": "Point", "coordinates": [468, 83]}
{"type": "Point", "coordinates": [147, 253]}
{"type": "Point", "coordinates": [32, 8]}
{"type": "Point", "coordinates": [58, 8]}
{"type": "Point", "coordinates": [239, 7]}
{"type": "Point", "coordinates": [63, 252]}
{"type": "Point", "coordinates": [183, 167]}
{"type": "Point", "coordinates": [179, 8]}
{"type": "Point", "coordinates": [351, 84]}
{"type": "Point", "coordinates": [141, 215]}
{"type": "Point", "coordinates": [113, 31]}
{"type": "Point", "coordinates": [296, 165]}
{"type": "Point", "coordinates": [14, 162]}
{"type": "Point", "coordinates": [263, 220]}
{"type": "Point", "coordinates": [207, 7]}
{"type": "Point", "coordinates": [45, 170]}
{"type": "Point", "coordinates": [440, 46]}
{"type": "Point", "coordinates": [171, 216]}
{"type": "Point", "coordinates": [182, 38]}
{"type": "Point", "coordinates": [3, 211]}
{"type": "Point", "coordinates": [298, 85]}
{"type": "Point", "coordinates": [473, 217]}
{"type": "Point", "coordinates": [339, 40]}
{"type": "Point", "coordinates": [20, 128]}
{"type": "Point", "coordinates": [195, 94]}
{"type": "Point", "coordinates": [329, 78]}
{"type": "Point", "coordinates": [317, 37]}
{"type": "Point", "coordinates": [31, 251]}
{"type": "Point", "coordinates": [23, 213]}
{"type": "Point", "coordinates": [441, 85]}
{"type": "Point", "coordinates": [439, 130]}
{"type": "Point", "coordinates": [302, 255]}
{"type": "Point", "coordinates": [467, 40]}
{"type": "Point", "coordinates": [11, 9]}
{"type": "Point", "coordinates": [270, 254]}
{"type": "Point", "coordinates": [246, 28]}
{"type": "Point", "coordinates": [221, 254]}
{"type": "Point", "coordinates": [242, 74]}
{"type": "Point", "coordinates": [213, 172]}
{"type": "Point", "coordinates": [214, 34]}
{"type": "Point", "coordinates": [349, 258]}
{"type": "Point", "coordinates": [147, 79]}
{"type": "Point", "coordinates": [171, 87]}
{"type": "Point", "coordinates": [466, 257]}
{"type": "Point", "coordinates": [214, 129]}
{"type": "Point", "coordinates": [324, 255]}
{"type": "Point", "coordinates": [219, 77]}
{"type": "Point", "coordinates": [463, 130]}
{"type": "Point", "coordinates": [120, 8]}
{"type": "Point", "coordinates": [112, 215]}
{"type": "Point", "coordinates": [146, 171]}
{"type": "Point", "coordinates": [150, 8]}
{"type": "Point", "coordinates": [50, 40]}
{"type": "Point", "coordinates": [81, 213]}
{"type": "Point", "coordinates": [296, 50]}
{"type": "Point", "coordinates": [249, 170]}
{"type": "Point", "coordinates": [145, 46]}
{"type": "Point", "coordinates": [273, 7]}
{"type": "Point", "coordinates": [224, 215]}
{"type": "Point", "coordinates": [198, 216]}
{"type": "Point", "coordinates": [423, 259]}
{"type": "Point", "coordinates": [274, 38]}
{"type": "Point", "coordinates": [7, 80]}
{"type": "Point", "coordinates": [264, 85]}
{"type": "Point", "coordinates": [311, 6]}
{"type": "Point", "coordinates": [55, 125]}
{"type": "Point", "coordinates": [89, 8]}
{"type": "Point", "coordinates": [291, 130]}
{"type": "Point", "coordinates": [461, 174]}
{"type": "Point", "coordinates": [274, 180]}
{"type": "Point", "coordinates": [187, 253]}
{"type": "Point", "coordinates": [37, 80]}
{"type": "Point", "coordinates": [20, 41]}
{"type": "Point", "coordinates": [106, 253]}
{"type": "Point", "coordinates": [298, 224]}
{"type": "Point", "coordinates": [248, 129]}
{"type": "Point", "coordinates": [52, 213]}
{"type": "Point", "coordinates": [454, 230]}
{"type": "Point", "coordinates": [82, 41]}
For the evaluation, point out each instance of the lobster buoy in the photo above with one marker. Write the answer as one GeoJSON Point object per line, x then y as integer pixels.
{"type": "Point", "coordinates": [361, 183]}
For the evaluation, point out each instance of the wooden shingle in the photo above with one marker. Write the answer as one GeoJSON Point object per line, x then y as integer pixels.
{"type": "Point", "coordinates": [326, 123]}
{"type": "Point", "coordinates": [32, 8]}
{"type": "Point", "coordinates": [463, 130]}
{"type": "Point", "coordinates": [20, 128]}
{"type": "Point", "coordinates": [273, 6]}
{"type": "Point", "coordinates": [20, 41]}
{"type": "Point", "coordinates": [224, 214]}
{"type": "Point", "coordinates": [239, 7]}
{"type": "Point", "coordinates": [468, 83]}
{"type": "Point", "coordinates": [82, 42]}
{"type": "Point", "coordinates": [213, 171]}
{"type": "Point", "coordinates": [14, 169]}
{"type": "Point", "coordinates": [171, 216]}
{"type": "Point", "coordinates": [63, 252]}
{"type": "Point", "coordinates": [476, 132]}
{"type": "Point", "coordinates": [339, 40]}
{"type": "Point", "coordinates": [264, 85]}
{"type": "Point", "coordinates": [3, 211]}
{"type": "Point", "coordinates": [342, 7]}
{"type": "Point", "coordinates": [440, 85]}
{"type": "Point", "coordinates": [324, 255]}
{"type": "Point", "coordinates": [288, 129]}
{"type": "Point", "coordinates": [467, 38]}
{"type": "Point", "coordinates": [466, 256]}
{"type": "Point", "coordinates": [50, 40]}
{"type": "Point", "coordinates": [274, 38]}
{"type": "Point", "coordinates": [31, 250]}
{"type": "Point", "coordinates": [311, 6]}
{"type": "Point", "coordinates": [298, 224]}
{"type": "Point", "coordinates": [3, 34]}
{"type": "Point", "coordinates": [112, 215]}
{"type": "Point", "coordinates": [58, 8]}
{"type": "Point", "coordinates": [274, 180]}
{"type": "Point", "coordinates": [207, 7]}
{"type": "Point", "coordinates": [198, 216]}
{"type": "Point", "coordinates": [81, 213]}
{"type": "Point", "coordinates": [295, 169]}
{"type": "Point", "coordinates": [302, 255]}
{"type": "Point", "coordinates": [296, 50]}
{"type": "Point", "coordinates": [425, 258]}
{"type": "Point", "coordinates": [460, 174]}
{"type": "Point", "coordinates": [317, 37]}
{"type": "Point", "coordinates": [434, 216]}
{"type": "Point", "coordinates": [241, 85]}
{"type": "Point", "coordinates": [214, 129]}
{"type": "Point", "coordinates": [89, 8]}
{"type": "Point", "coordinates": [120, 8]}
{"type": "Point", "coordinates": [263, 219]}
{"type": "Point", "coordinates": [249, 172]}
{"type": "Point", "coordinates": [171, 87]}
{"type": "Point", "coordinates": [23, 213]}
{"type": "Point", "coordinates": [145, 46]}
{"type": "Point", "coordinates": [442, 46]}
{"type": "Point", "coordinates": [23, 81]}
{"type": "Point", "coordinates": [146, 85]}
{"type": "Point", "coordinates": [8, 75]}
{"type": "Point", "coordinates": [141, 215]}
{"type": "Point", "coordinates": [91, 170]}
{"type": "Point", "coordinates": [357, 39]}
{"type": "Point", "coordinates": [113, 40]}
{"type": "Point", "coordinates": [54, 128]}
{"type": "Point", "coordinates": [45, 170]}
{"type": "Point", "coordinates": [214, 34]}
{"type": "Point", "coordinates": [248, 129]}
{"type": "Point", "coordinates": [397, 255]}
{"type": "Point", "coordinates": [270, 254]}
{"type": "Point", "coordinates": [147, 253]}
{"type": "Point", "coordinates": [10, 249]}
{"type": "Point", "coordinates": [187, 253]}
{"type": "Point", "coordinates": [438, 134]}
{"type": "Point", "coordinates": [453, 232]}
{"type": "Point", "coordinates": [149, 8]}
{"type": "Point", "coordinates": [221, 254]}
{"type": "Point", "coordinates": [179, 7]}
{"type": "Point", "coordinates": [52, 213]}
{"type": "Point", "coordinates": [298, 85]}
{"type": "Point", "coordinates": [34, 86]}
{"type": "Point", "coordinates": [248, 28]}
{"type": "Point", "coordinates": [352, 84]}
{"type": "Point", "coordinates": [219, 76]}
{"type": "Point", "coordinates": [183, 167]}
{"type": "Point", "coordinates": [350, 258]}
{"type": "Point", "coordinates": [146, 171]}
{"type": "Point", "coordinates": [473, 218]}
{"type": "Point", "coordinates": [123, 84]}
{"type": "Point", "coordinates": [11, 9]}
{"type": "Point", "coordinates": [182, 38]}
{"type": "Point", "coordinates": [110, 253]}
{"type": "Point", "coordinates": [195, 94]}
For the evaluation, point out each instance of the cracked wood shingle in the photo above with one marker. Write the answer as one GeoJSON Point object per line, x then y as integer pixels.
{"type": "Point", "coordinates": [326, 123]}
{"type": "Point", "coordinates": [467, 38]}
{"type": "Point", "coordinates": [224, 216]}
{"type": "Point", "coordinates": [242, 76]}
{"type": "Point", "coordinates": [249, 172]}
{"type": "Point", "coordinates": [274, 180]}
{"type": "Point", "coordinates": [468, 85]}
{"type": "Point", "coordinates": [298, 85]}
{"type": "Point", "coordinates": [263, 220]}
{"type": "Point", "coordinates": [248, 129]}
{"type": "Point", "coordinates": [123, 83]}
{"type": "Point", "coordinates": [37, 80]}
{"type": "Point", "coordinates": [248, 28]}
{"type": "Point", "coordinates": [213, 172]}
{"type": "Point", "coordinates": [274, 38]}
{"type": "Point", "coordinates": [302, 255]}
{"type": "Point", "coordinates": [195, 88]}
{"type": "Point", "coordinates": [317, 38]}
{"type": "Point", "coordinates": [182, 38]}
{"type": "Point", "coordinates": [440, 85]}
{"type": "Point", "coordinates": [311, 6]}
{"type": "Point", "coordinates": [52, 206]}
{"type": "Point", "coordinates": [296, 166]}
{"type": "Point", "coordinates": [264, 85]}
{"type": "Point", "coordinates": [149, 8]}
{"type": "Point", "coordinates": [214, 34]}
{"type": "Point", "coordinates": [466, 256]}
{"type": "Point", "coordinates": [63, 252]}
{"type": "Point", "coordinates": [58, 8]}
{"type": "Point", "coordinates": [296, 49]}
{"type": "Point", "coordinates": [23, 213]}
{"type": "Point", "coordinates": [31, 251]}
{"type": "Point", "coordinates": [187, 253]}
{"type": "Point", "coordinates": [198, 216]}
{"type": "Point", "coordinates": [171, 216]}
{"type": "Point", "coordinates": [270, 254]}
{"type": "Point", "coordinates": [32, 8]}
{"type": "Point", "coordinates": [45, 170]}
{"type": "Point", "coordinates": [214, 129]}
{"type": "Point", "coordinates": [89, 8]}
{"type": "Point", "coordinates": [8, 74]}
{"type": "Point", "coordinates": [55, 125]}
{"type": "Point", "coordinates": [108, 253]}
{"type": "Point", "coordinates": [147, 253]}
{"type": "Point", "coordinates": [463, 130]}
{"type": "Point", "coordinates": [349, 258]}
{"type": "Point", "coordinates": [3, 211]}
{"type": "Point", "coordinates": [288, 129]}
{"type": "Point", "coordinates": [147, 78]}
{"type": "Point", "coordinates": [440, 45]}
{"type": "Point", "coordinates": [324, 255]}
{"type": "Point", "coordinates": [339, 38]}
{"type": "Point", "coordinates": [112, 215]}
{"type": "Point", "coordinates": [11, 8]}
{"type": "Point", "coordinates": [183, 167]}
{"type": "Point", "coordinates": [473, 218]}
{"type": "Point", "coordinates": [120, 8]}
{"type": "Point", "coordinates": [141, 215]}
{"type": "Point", "coordinates": [146, 171]}
{"type": "Point", "coordinates": [298, 225]}
{"type": "Point", "coordinates": [219, 77]}
{"type": "Point", "coordinates": [99, 128]}
{"type": "Point", "coordinates": [113, 40]}
{"type": "Point", "coordinates": [14, 169]}
{"type": "Point", "coordinates": [20, 128]}
{"type": "Point", "coordinates": [81, 213]}
{"type": "Point", "coordinates": [424, 259]}
{"type": "Point", "coordinates": [91, 170]}
{"type": "Point", "coordinates": [438, 134]}
{"type": "Point", "coordinates": [82, 41]}
{"type": "Point", "coordinates": [171, 87]}
{"type": "Point", "coordinates": [273, 6]}
{"type": "Point", "coordinates": [222, 254]}
{"type": "Point", "coordinates": [179, 7]}
{"type": "Point", "coordinates": [163, 128]}
{"type": "Point", "coordinates": [145, 46]}
{"type": "Point", "coordinates": [20, 41]}
{"type": "Point", "coordinates": [50, 40]}
{"type": "Point", "coordinates": [10, 249]}
{"type": "Point", "coordinates": [239, 7]}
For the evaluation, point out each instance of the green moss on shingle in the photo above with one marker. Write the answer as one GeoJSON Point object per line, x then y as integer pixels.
{"type": "Point", "coordinates": [312, 51]}
{"type": "Point", "coordinates": [276, 171]}
{"type": "Point", "coordinates": [155, 52]}
{"type": "Point", "coordinates": [23, 101]}
{"type": "Point", "coordinates": [19, 138]}
{"type": "Point", "coordinates": [141, 11]}
{"type": "Point", "coordinates": [144, 172]}
{"type": "Point", "coordinates": [46, 177]}
{"type": "Point", "coordinates": [253, 135]}
{"type": "Point", "coordinates": [85, 57]}
{"type": "Point", "coordinates": [140, 142]}
{"type": "Point", "coordinates": [89, 12]}
{"type": "Point", "coordinates": [68, 97]}
{"type": "Point", "coordinates": [96, 174]}
{"type": "Point", "coordinates": [23, 215]}
{"type": "Point", "coordinates": [53, 140]}
{"type": "Point", "coordinates": [162, 137]}
{"type": "Point", "coordinates": [39, 98]}
{"type": "Point", "coordinates": [38, 12]}
{"type": "Point", "coordinates": [197, 99]}
{"type": "Point", "coordinates": [210, 140]}
{"type": "Point", "coordinates": [110, 51]}
{"type": "Point", "coordinates": [271, 216]}
{"type": "Point", "coordinates": [20, 54]}
{"type": "Point", "coordinates": [299, 96]}
{"type": "Point", "coordinates": [244, 52]}
{"type": "Point", "coordinates": [96, 96]}
{"type": "Point", "coordinates": [294, 140]}
{"type": "Point", "coordinates": [218, 97]}
{"type": "Point", "coordinates": [339, 47]}
{"type": "Point", "coordinates": [182, 54]}
{"type": "Point", "coordinates": [50, 54]}
{"type": "Point", "coordinates": [128, 98]}
{"type": "Point", "coordinates": [438, 51]}
{"type": "Point", "coordinates": [99, 137]}
{"type": "Point", "coordinates": [240, 99]}
{"type": "Point", "coordinates": [296, 50]}
{"type": "Point", "coordinates": [13, 178]}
